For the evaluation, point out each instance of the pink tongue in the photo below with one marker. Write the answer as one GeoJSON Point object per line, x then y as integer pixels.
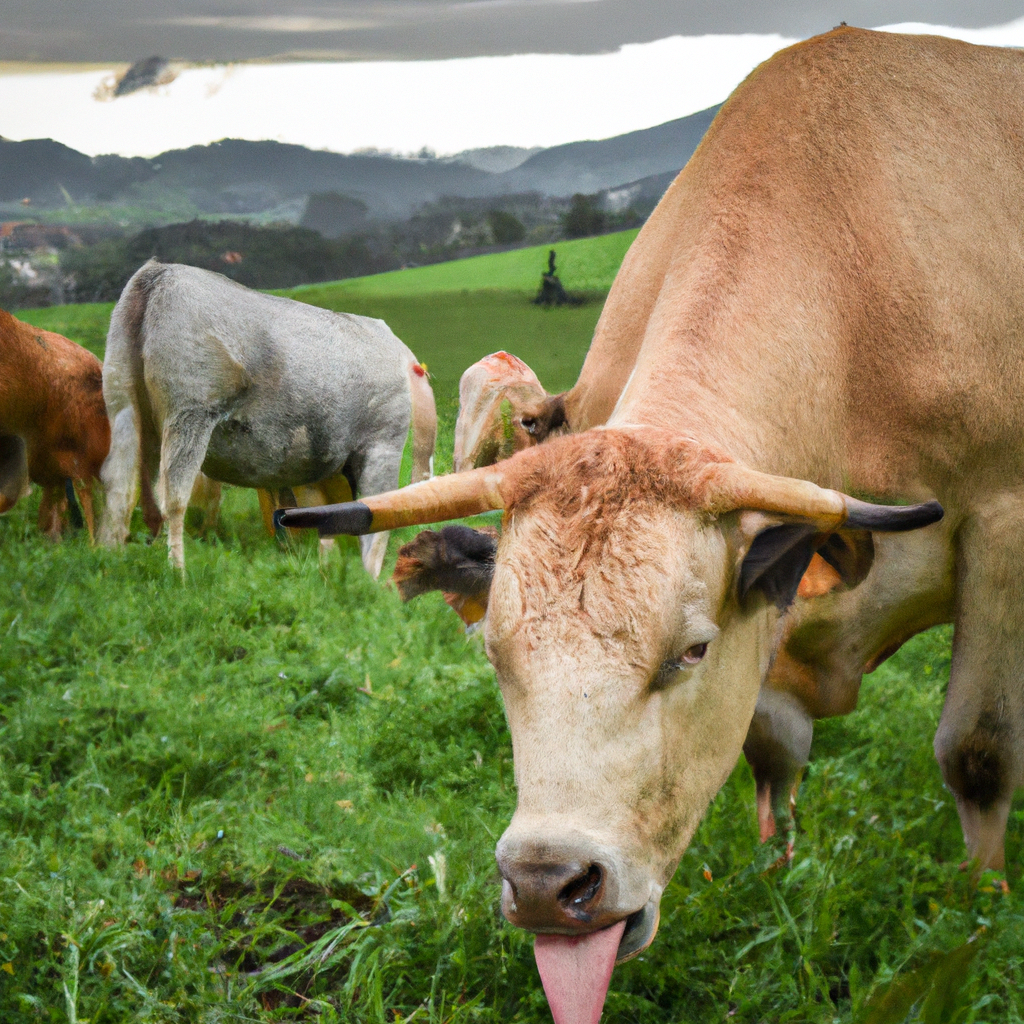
{"type": "Point", "coordinates": [576, 970]}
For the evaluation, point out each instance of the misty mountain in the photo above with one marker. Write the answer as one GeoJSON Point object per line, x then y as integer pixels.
{"type": "Point", "coordinates": [237, 177]}
{"type": "Point", "coordinates": [592, 166]}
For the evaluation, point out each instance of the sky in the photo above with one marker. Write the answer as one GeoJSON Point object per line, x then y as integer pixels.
{"type": "Point", "coordinates": [473, 94]}
{"type": "Point", "coordinates": [231, 30]}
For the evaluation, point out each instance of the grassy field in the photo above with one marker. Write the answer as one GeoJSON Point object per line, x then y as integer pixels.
{"type": "Point", "coordinates": [272, 791]}
{"type": "Point", "coordinates": [449, 314]}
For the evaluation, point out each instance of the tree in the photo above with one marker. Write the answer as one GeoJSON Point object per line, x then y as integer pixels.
{"type": "Point", "coordinates": [506, 228]}
{"type": "Point", "coordinates": [584, 217]}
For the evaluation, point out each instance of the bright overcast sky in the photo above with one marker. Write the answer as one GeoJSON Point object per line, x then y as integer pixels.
{"type": "Point", "coordinates": [448, 105]}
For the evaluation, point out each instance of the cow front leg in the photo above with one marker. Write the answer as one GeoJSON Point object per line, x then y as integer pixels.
{"type": "Point", "coordinates": [338, 490]}
{"type": "Point", "coordinates": [268, 500]}
{"type": "Point", "coordinates": [777, 747]}
{"type": "Point", "coordinates": [206, 495]}
{"type": "Point", "coordinates": [52, 506]}
{"type": "Point", "coordinates": [309, 496]}
{"type": "Point", "coordinates": [980, 740]}
{"type": "Point", "coordinates": [185, 439]}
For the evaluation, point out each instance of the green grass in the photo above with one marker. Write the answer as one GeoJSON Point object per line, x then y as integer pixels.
{"type": "Point", "coordinates": [85, 323]}
{"type": "Point", "coordinates": [272, 791]}
{"type": "Point", "coordinates": [584, 265]}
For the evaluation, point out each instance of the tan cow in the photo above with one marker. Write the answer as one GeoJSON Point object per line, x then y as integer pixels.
{"type": "Point", "coordinates": [830, 300]}
{"type": "Point", "coordinates": [53, 424]}
{"type": "Point", "coordinates": [494, 395]}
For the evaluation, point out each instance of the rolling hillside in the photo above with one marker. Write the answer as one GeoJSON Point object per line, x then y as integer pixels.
{"type": "Point", "coordinates": [239, 177]}
{"type": "Point", "coordinates": [449, 314]}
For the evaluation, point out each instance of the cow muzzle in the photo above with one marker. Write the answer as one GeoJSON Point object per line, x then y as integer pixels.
{"type": "Point", "coordinates": [577, 888]}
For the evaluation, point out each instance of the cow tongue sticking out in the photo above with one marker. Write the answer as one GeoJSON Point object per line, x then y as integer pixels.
{"type": "Point", "coordinates": [576, 970]}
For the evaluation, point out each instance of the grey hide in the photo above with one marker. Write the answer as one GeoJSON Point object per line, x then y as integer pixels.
{"type": "Point", "coordinates": [202, 374]}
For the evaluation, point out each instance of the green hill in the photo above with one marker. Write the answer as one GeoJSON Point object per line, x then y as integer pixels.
{"type": "Point", "coordinates": [450, 314]}
{"type": "Point", "coordinates": [584, 265]}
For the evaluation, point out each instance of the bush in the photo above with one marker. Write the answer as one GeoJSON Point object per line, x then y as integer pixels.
{"type": "Point", "coordinates": [254, 256]}
{"type": "Point", "coordinates": [584, 217]}
{"type": "Point", "coordinates": [506, 229]}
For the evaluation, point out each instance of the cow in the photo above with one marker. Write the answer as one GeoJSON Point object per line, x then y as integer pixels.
{"type": "Point", "coordinates": [829, 301]}
{"type": "Point", "coordinates": [254, 390]}
{"type": "Point", "coordinates": [494, 395]}
{"type": "Point", "coordinates": [54, 429]}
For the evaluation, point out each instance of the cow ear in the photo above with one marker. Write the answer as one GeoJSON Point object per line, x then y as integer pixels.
{"type": "Point", "coordinates": [455, 560]}
{"type": "Point", "coordinates": [544, 419]}
{"type": "Point", "coordinates": [779, 555]}
{"type": "Point", "coordinates": [776, 559]}
{"type": "Point", "coordinates": [850, 553]}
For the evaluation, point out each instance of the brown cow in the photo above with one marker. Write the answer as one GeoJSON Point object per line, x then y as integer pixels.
{"type": "Point", "coordinates": [829, 299]}
{"type": "Point", "coordinates": [53, 424]}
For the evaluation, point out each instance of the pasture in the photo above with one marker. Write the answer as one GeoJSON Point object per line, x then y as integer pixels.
{"type": "Point", "coordinates": [271, 791]}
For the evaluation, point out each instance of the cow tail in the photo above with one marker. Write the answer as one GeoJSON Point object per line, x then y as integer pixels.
{"type": "Point", "coordinates": [129, 320]}
{"type": "Point", "coordinates": [424, 423]}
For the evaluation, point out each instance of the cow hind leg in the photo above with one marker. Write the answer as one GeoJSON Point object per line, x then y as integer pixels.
{"type": "Point", "coordinates": [182, 451]}
{"type": "Point", "coordinates": [375, 472]}
{"type": "Point", "coordinates": [119, 476]}
{"type": "Point", "coordinates": [84, 492]}
{"type": "Point", "coordinates": [980, 740]}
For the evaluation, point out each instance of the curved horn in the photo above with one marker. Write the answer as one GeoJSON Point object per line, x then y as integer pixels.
{"type": "Point", "coordinates": [432, 501]}
{"type": "Point", "coordinates": [727, 486]}
{"type": "Point", "coordinates": [862, 515]}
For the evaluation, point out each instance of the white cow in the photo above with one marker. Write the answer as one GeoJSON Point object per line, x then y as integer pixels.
{"type": "Point", "coordinates": [202, 374]}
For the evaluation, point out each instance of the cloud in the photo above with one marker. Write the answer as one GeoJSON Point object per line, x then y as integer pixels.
{"type": "Point", "coordinates": [270, 23]}
{"type": "Point", "coordinates": [208, 30]}
{"type": "Point", "coordinates": [448, 105]}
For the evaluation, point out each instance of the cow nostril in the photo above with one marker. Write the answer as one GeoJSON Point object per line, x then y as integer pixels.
{"type": "Point", "coordinates": [577, 895]}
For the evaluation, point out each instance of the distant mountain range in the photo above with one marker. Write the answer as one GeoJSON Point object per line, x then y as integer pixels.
{"type": "Point", "coordinates": [239, 177]}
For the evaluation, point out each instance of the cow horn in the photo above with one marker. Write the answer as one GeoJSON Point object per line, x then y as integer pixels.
{"type": "Point", "coordinates": [727, 486]}
{"type": "Point", "coordinates": [432, 501]}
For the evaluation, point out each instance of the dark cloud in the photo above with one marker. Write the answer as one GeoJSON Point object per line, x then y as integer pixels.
{"type": "Point", "coordinates": [221, 30]}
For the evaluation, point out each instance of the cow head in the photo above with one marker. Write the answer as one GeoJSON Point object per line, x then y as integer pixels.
{"type": "Point", "coordinates": [502, 409]}
{"type": "Point", "coordinates": [632, 617]}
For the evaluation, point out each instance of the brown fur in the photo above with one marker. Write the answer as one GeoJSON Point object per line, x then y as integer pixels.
{"type": "Point", "coordinates": [827, 293]}
{"type": "Point", "coordinates": [51, 396]}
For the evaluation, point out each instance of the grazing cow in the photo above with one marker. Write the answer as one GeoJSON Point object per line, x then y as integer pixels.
{"type": "Point", "coordinates": [54, 429]}
{"type": "Point", "coordinates": [830, 300]}
{"type": "Point", "coordinates": [494, 394]}
{"type": "Point", "coordinates": [254, 390]}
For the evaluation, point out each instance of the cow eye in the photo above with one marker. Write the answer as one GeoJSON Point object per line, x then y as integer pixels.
{"type": "Point", "coordinates": [694, 654]}
{"type": "Point", "coordinates": [690, 657]}
{"type": "Point", "coordinates": [529, 424]}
